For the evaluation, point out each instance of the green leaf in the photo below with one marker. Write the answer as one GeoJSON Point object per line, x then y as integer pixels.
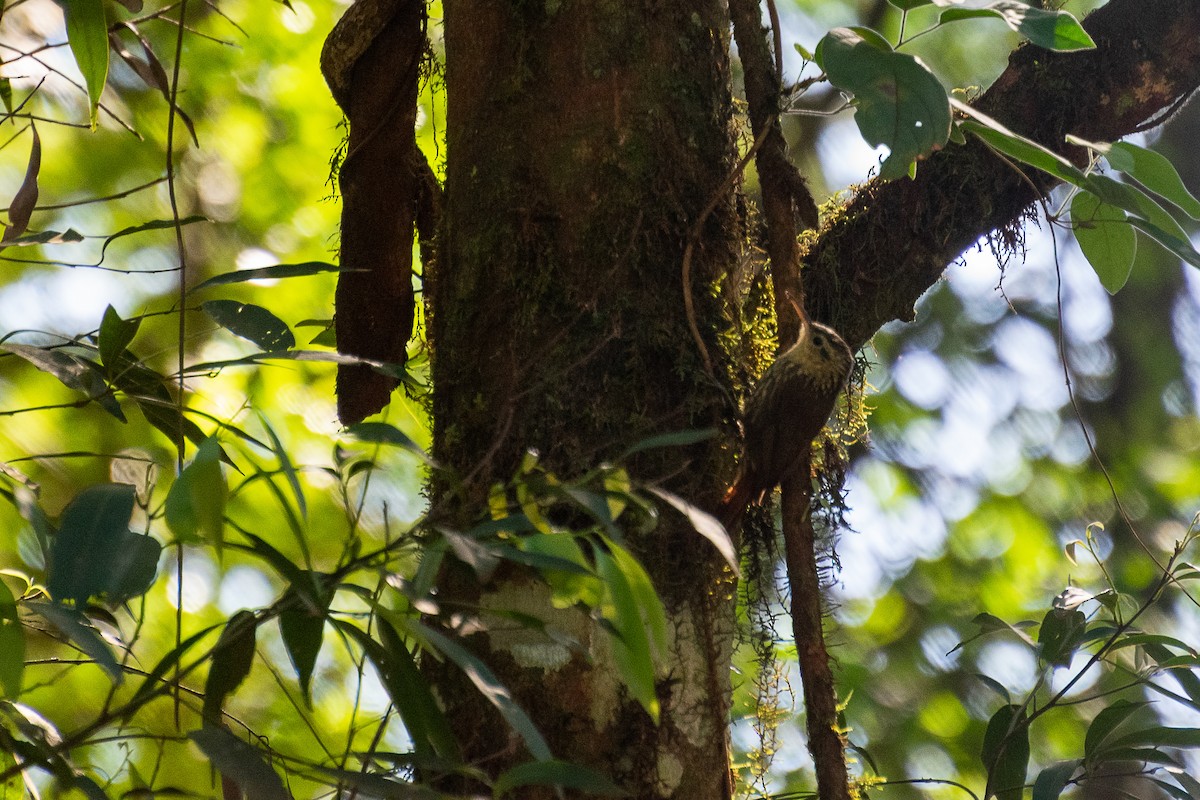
{"type": "Point", "coordinates": [631, 645]}
{"type": "Point", "coordinates": [909, 5]}
{"type": "Point", "coordinates": [1053, 30]}
{"type": "Point", "coordinates": [384, 433]}
{"type": "Point", "coordinates": [1186, 677]}
{"type": "Point", "coordinates": [80, 631]}
{"type": "Point", "coordinates": [6, 93]}
{"type": "Point", "coordinates": [1149, 168]}
{"type": "Point", "coordinates": [1106, 239]}
{"type": "Point", "coordinates": [1158, 736]}
{"type": "Point", "coordinates": [305, 606]}
{"type": "Point", "coordinates": [489, 686]}
{"type": "Point", "coordinates": [251, 322]}
{"type": "Point", "coordinates": [267, 273]}
{"type": "Point", "coordinates": [1053, 779]}
{"type": "Point", "coordinates": [1022, 149]}
{"type": "Point", "coordinates": [12, 645]}
{"type": "Point", "coordinates": [115, 336]}
{"type": "Point", "coordinates": [240, 762]}
{"type": "Point", "coordinates": [232, 658]}
{"type": "Point", "coordinates": [408, 690]}
{"type": "Point", "coordinates": [900, 103]}
{"type": "Point", "coordinates": [87, 548]}
{"type": "Point", "coordinates": [1104, 723]}
{"type": "Point", "coordinates": [706, 525]}
{"type": "Point", "coordinates": [1006, 753]}
{"type": "Point", "coordinates": [562, 774]}
{"type": "Point", "coordinates": [87, 33]}
{"type": "Point", "coordinates": [285, 466]}
{"type": "Point", "coordinates": [195, 505]}
{"type": "Point", "coordinates": [1059, 635]}
{"type": "Point", "coordinates": [73, 371]}
{"type": "Point", "coordinates": [156, 679]}
{"type": "Point", "coordinates": [674, 439]}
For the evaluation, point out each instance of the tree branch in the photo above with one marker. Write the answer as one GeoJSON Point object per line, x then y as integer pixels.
{"type": "Point", "coordinates": [893, 241]}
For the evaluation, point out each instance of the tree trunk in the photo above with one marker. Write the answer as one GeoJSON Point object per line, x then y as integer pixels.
{"type": "Point", "coordinates": [583, 139]}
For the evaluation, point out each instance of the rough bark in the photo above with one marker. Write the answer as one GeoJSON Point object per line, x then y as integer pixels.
{"type": "Point", "coordinates": [893, 241]}
{"type": "Point", "coordinates": [582, 141]}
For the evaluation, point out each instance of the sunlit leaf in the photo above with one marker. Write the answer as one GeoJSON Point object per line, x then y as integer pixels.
{"type": "Point", "coordinates": [630, 644]}
{"type": "Point", "coordinates": [1149, 168]}
{"type": "Point", "coordinates": [251, 322]}
{"type": "Point", "coordinates": [12, 644]}
{"type": "Point", "coordinates": [1106, 239]}
{"type": "Point", "coordinates": [87, 33]}
{"type": "Point", "coordinates": [706, 525]}
{"type": "Point", "coordinates": [268, 273]}
{"type": "Point", "coordinates": [1053, 30]}
{"type": "Point", "coordinates": [900, 103]}
{"type": "Point", "coordinates": [195, 505]}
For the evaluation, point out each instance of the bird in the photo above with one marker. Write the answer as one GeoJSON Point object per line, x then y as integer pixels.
{"type": "Point", "coordinates": [785, 411]}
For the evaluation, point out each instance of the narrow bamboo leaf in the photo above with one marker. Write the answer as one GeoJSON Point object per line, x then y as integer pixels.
{"type": "Point", "coordinates": [1186, 677]}
{"type": "Point", "coordinates": [630, 644]}
{"type": "Point", "coordinates": [1051, 781]}
{"type": "Point", "coordinates": [409, 692]}
{"type": "Point", "coordinates": [79, 630]}
{"type": "Point", "coordinates": [489, 686]}
{"type": "Point", "coordinates": [115, 336]}
{"type": "Point", "coordinates": [1053, 30]}
{"type": "Point", "coordinates": [86, 548]}
{"type": "Point", "coordinates": [562, 774]}
{"type": "Point", "coordinates": [1154, 171]}
{"type": "Point", "coordinates": [25, 200]}
{"type": "Point", "coordinates": [285, 466]}
{"type": "Point", "coordinates": [69, 236]}
{"type": "Point", "coordinates": [1106, 238]}
{"type": "Point", "coordinates": [282, 564]}
{"type": "Point", "coordinates": [152, 225]}
{"type": "Point", "coordinates": [149, 69]}
{"type": "Point", "coordinates": [232, 658]}
{"type": "Point", "coordinates": [900, 103]}
{"type": "Point", "coordinates": [653, 615]}
{"type": "Point", "coordinates": [1104, 723]}
{"type": "Point", "coordinates": [706, 525]}
{"type": "Point", "coordinates": [302, 624]}
{"type": "Point", "coordinates": [383, 433]}
{"type": "Point", "coordinates": [1006, 753]}
{"type": "Point", "coordinates": [251, 322]}
{"type": "Point", "coordinates": [268, 273]}
{"type": "Point", "coordinates": [87, 33]}
{"type": "Point", "coordinates": [675, 439]}
{"type": "Point", "coordinates": [156, 679]}
{"type": "Point", "coordinates": [1158, 736]}
{"type": "Point", "coordinates": [240, 762]}
{"type": "Point", "coordinates": [195, 505]}
{"type": "Point", "coordinates": [1177, 792]}
{"type": "Point", "coordinates": [12, 645]}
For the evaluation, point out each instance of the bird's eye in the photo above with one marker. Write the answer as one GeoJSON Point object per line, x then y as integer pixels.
{"type": "Point", "coordinates": [819, 340]}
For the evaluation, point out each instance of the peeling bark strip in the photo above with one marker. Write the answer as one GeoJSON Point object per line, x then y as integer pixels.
{"type": "Point", "coordinates": [894, 240]}
{"type": "Point", "coordinates": [371, 62]}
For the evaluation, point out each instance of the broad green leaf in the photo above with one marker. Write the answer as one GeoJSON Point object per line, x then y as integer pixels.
{"type": "Point", "coordinates": [489, 686]}
{"type": "Point", "coordinates": [1186, 677]}
{"type": "Point", "coordinates": [91, 534]}
{"type": "Point", "coordinates": [1100, 732]}
{"type": "Point", "coordinates": [1006, 753]}
{"type": "Point", "coordinates": [1024, 150]}
{"type": "Point", "coordinates": [1053, 30]}
{"type": "Point", "coordinates": [1135, 201]}
{"type": "Point", "coordinates": [87, 33]}
{"type": "Point", "coordinates": [251, 322]}
{"type": "Point", "coordinates": [562, 774]}
{"type": "Point", "coordinates": [12, 644]}
{"type": "Point", "coordinates": [564, 567]}
{"type": "Point", "coordinates": [115, 336]}
{"type": "Point", "coordinates": [195, 505]}
{"type": "Point", "coordinates": [25, 200]}
{"type": "Point", "coordinates": [408, 689]}
{"type": "Point", "coordinates": [80, 631]}
{"type": "Point", "coordinates": [630, 643]}
{"type": "Point", "coordinates": [1158, 736]}
{"type": "Point", "coordinates": [240, 762]}
{"type": "Point", "coordinates": [1051, 781]}
{"type": "Point", "coordinates": [232, 658]}
{"type": "Point", "coordinates": [706, 525]}
{"type": "Point", "coordinates": [305, 605]}
{"type": "Point", "coordinates": [1106, 238]}
{"type": "Point", "coordinates": [268, 273]}
{"type": "Point", "coordinates": [900, 103]}
{"type": "Point", "coordinates": [1149, 168]}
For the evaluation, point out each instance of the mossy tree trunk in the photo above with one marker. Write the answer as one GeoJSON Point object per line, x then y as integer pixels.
{"type": "Point", "coordinates": [583, 140]}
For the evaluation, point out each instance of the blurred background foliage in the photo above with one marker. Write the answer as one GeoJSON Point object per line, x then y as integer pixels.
{"type": "Point", "coordinates": [976, 475]}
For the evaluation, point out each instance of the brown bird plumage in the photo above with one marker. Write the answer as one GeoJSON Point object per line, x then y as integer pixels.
{"type": "Point", "coordinates": [785, 412]}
